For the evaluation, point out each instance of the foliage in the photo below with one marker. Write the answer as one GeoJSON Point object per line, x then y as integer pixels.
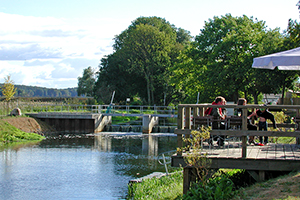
{"type": "Point", "coordinates": [185, 75]}
{"type": "Point", "coordinates": [195, 157]}
{"type": "Point", "coordinates": [147, 49]}
{"type": "Point", "coordinates": [121, 120]}
{"type": "Point", "coordinates": [144, 52]}
{"type": "Point", "coordinates": [219, 61]}
{"type": "Point", "coordinates": [86, 82]}
{"type": "Point", "coordinates": [292, 39]}
{"type": "Point", "coordinates": [136, 101]}
{"type": "Point", "coordinates": [166, 187]}
{"type": "Point", "coordinates": [220, 187]}
{"type": "Point", "coordinates": [8, 88]}
{"type": "Point", "coordinates": [9, 133]}
{"type": "Point", "coordinates": [239, 177]}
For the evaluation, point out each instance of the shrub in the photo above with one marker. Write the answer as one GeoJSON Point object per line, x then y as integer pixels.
{"type": "Point", "coordinates": [220, 187]}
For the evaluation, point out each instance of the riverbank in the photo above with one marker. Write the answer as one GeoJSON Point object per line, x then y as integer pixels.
{"type": "Point", "coordinates": [282, 187]}
{"type": "Point", "coordinates": [19, 129]}
{"type": "Point", "coordinates": [30, 125]}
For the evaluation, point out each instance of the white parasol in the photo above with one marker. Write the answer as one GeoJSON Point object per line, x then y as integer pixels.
{"type": "Point", "coordinates": [285, 60]}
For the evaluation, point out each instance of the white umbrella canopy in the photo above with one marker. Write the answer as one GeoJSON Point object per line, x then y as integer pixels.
{"type": "Point", "coordinates": [285, 60]}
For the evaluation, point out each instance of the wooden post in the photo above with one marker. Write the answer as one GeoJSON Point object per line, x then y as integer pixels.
{"type": "Point", "coordinates": [298, 138]}
{"type": "Point", "coordinates": [189, 176]}
{"type": "Point", "coordinates": [180, 125]}
{"type": "Point", "coordinates": [261, 175]}
{"type": "Point", "coordinates": [188, 118]}
{"type": "Point", "coordinates": [244, 128]}
{"type": "Point", "coordinates": [195, 114]}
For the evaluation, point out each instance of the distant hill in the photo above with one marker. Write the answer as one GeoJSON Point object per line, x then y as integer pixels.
{"type": "Point", "coordinates": [34, 91]}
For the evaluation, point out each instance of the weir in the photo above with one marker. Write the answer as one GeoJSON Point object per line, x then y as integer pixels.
{"type": "Point", "coordinates": [76, 123]}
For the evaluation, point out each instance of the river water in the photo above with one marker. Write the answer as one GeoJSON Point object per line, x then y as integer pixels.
{"type": "Point", "coordinates": [86, 167]}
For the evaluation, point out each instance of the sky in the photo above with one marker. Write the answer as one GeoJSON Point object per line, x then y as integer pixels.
{"type": "Point", "coordinates": [49, 43]}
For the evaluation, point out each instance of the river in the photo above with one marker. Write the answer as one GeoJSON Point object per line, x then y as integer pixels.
{"type": "Point", "coordinates": [81, 167]}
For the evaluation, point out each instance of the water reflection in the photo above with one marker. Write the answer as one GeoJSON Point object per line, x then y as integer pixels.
{"type": "Point", "coordinates": [86, 167]}
{"type": "Point", "coordinates": [130, 142]}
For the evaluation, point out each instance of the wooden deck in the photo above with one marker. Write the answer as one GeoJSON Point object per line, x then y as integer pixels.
{"type": "Point", "coordinates": [272, 157]}
{"type": "Point", "coordinates": [238, 155]}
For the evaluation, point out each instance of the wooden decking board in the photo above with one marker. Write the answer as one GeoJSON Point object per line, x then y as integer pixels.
{"type": "Point", "coordinates": [289, 152]}
{"type": "Point", "coordinates": [281, 153]}
{"type": "Point", "coordinates": [270, 151]}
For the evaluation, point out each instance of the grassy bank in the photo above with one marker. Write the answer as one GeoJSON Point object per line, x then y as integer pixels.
{"type": "Point", "coordinates": [166, 187]}
{"type": "Point", "coordinates": [170, 187]}
{"type": "Point", "coordinates": [283, 187]}
{"type": "Point", "coordinates": [9, 133]}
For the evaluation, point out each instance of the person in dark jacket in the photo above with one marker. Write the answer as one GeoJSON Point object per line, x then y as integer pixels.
{"type": "Point", "coordinates": [263, 114]}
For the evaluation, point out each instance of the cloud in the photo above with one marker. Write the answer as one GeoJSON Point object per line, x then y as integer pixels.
{"type": "Point", "coordinates": [54, 73]}
{"type": "Point", "coordinates": [55, 33]}
{"type": "Point", "coordinates": [28, 52]}
{"type": "Point", "coordinates": [53, 52]}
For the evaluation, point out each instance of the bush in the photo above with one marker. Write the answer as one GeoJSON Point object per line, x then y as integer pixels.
{"type": "Point", "coordinates": [220, 187]}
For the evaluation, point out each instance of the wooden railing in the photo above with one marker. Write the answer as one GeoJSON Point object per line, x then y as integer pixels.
{"type": "Point", "coordinates": [188, 114]}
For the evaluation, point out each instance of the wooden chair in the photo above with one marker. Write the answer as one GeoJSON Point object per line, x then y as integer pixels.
{"type": "Point", "coordinates": [234, 121]}
{"type": "Point", "coordinates": [202, 120]}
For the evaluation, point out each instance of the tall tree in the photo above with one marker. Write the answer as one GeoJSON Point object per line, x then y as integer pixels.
{"type": "Point", "coordinates": [86, 82]}
{"type": "Point", "coordinates": [144, 52]}
{"type": "Point", "coordinates": [148, 53]}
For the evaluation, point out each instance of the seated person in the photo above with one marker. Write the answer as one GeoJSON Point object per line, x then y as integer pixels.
{"type": "Point", "coordinates": [218, 113]}
{"type": "Point", "coordinates": [250, 126]}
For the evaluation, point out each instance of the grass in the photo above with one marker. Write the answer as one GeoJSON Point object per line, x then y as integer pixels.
{"type": "Point", "coordinates": [122, 120]}
{"type": "Point", "coordinates": [166, 187]}
{"type": "Point", "coordinates": [9, 134]}
{"type": "Point", "coordinates": [283, 187]}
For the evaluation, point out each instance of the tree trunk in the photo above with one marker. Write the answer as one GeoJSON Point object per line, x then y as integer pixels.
{"type": "Point", "coordinates": [282, 96]}
{"type": "Point", "coordinates": [148, 89]}
{"type": "Point", "coordinates": [7, 108]}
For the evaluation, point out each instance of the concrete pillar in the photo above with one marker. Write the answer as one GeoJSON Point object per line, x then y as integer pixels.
{"type": "Point", "coordinates": [148, 122]}
{"type": "Point", "coordinates": [101, 122]}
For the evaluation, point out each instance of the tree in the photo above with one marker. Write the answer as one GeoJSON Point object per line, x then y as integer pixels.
{"type": "Point", "coordinates": [221, 58]}
{"type": "Point", "coordinates": [86, 82]}
{"type": "Point", "coordinates": [8, 88]}
{"type": "Point", "coordinates": [144, 52]}
{"type": "Point", "coordinates": [147, 49]}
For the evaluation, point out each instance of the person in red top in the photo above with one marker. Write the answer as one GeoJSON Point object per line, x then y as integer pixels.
{"type": "Point", "coordinates": [218, 113]}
